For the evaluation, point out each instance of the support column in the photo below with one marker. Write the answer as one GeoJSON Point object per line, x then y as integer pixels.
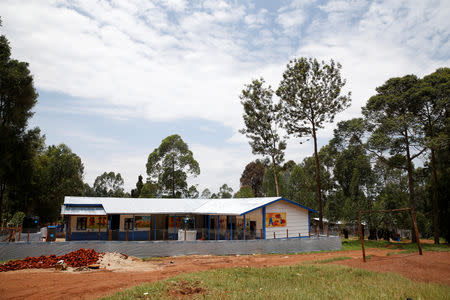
{"type": "Point", "coordinates": [209, 227]}
{"type": "Point", "coordinates": [134, 219]}
{"type": "Point", "coordinates": [264, 222]}
{"type": "Point", "coordinates": [231, 227]}
{"type": "Point", "coordinates": [244, 227]}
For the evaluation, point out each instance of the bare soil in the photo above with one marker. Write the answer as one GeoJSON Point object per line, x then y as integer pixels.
{"type": "Point", "coordinates": [50, 284]}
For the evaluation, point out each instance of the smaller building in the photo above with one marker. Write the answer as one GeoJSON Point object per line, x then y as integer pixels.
{"type": "Point", "coordinates": [97, 218]}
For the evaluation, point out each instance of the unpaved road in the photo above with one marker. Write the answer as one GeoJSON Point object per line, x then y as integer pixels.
{"type": "Point", "coordinates": [49, 284]}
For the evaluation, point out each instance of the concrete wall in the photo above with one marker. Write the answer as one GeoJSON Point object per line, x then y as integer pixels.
{"type": "Point", "coordinates": [296, 220]}
{"type": "Point", "coordinates": [173, 248]}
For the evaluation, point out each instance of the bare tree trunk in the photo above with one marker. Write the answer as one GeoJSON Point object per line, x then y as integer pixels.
{"type": "Point", "coordinates": [2, 192]}
{"type": "Point", "coordinates": [411, 187]}
{"type": "Point", "coordinates": [275, 175]}
{"type": "Point", "coordinates": [435, 199]}
{"type": "Point", "coordinates": [318, 188]}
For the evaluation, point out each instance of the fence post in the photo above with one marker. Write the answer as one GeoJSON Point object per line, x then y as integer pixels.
{"type": "Point", "coordinates": [185, 235]}
{"type": "Point", "coordinates": [88, 234]}
{"type": "Point", "coordinates": [203, 234]}
{"type": "Point", "coordinates": [274, 235]}
{"type": "Point", "coordinates": [287, 233]}
{"type": "Point", "coordinates": [361, 236]}
{"type": "Point", "coordinates": [262, 236]}
{"type": "Point", "coordinates": [126, 238]}
{"type": "Point", "coordinates": [28, 237]}
{"type": "Point", "coordinates": [20, 232]}
{"type": "Point", "coordinates": [328, 232]}
{"type": "Point", "coordinates": [99, 233]}
{"type": "Point", "coordinates": [164, 235]}
{"type": "Point", "coordinates": [299, 234]}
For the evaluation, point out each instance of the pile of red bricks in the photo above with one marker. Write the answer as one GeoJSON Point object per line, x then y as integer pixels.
{"type": "Point", "coordinates": [79, 258]}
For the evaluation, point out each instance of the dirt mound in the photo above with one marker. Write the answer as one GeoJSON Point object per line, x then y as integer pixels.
{"type": "Point", "coordinates": [121, 262]}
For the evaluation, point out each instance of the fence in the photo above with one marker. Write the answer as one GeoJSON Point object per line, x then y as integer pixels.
{"type": "Point", "coordinates": [173, 248]}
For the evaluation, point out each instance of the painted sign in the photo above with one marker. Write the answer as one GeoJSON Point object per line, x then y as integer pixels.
{"type": "Point", "coordinates": [96, 222]}
{"type": "Point", "coordinates": [142, 221]}
{"type": "Point", "coordinates": [276, 219]}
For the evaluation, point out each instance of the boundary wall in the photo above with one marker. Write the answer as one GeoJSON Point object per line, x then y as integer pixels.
{"type": "Point", "coordinates": [141, 249]}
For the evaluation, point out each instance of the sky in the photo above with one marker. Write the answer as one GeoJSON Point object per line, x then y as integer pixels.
{"type": "Point", "coordinates": [116, 77]}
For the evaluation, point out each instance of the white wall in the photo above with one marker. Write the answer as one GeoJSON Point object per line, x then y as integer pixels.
{"type": "Point", "coordinates": [296, 220]}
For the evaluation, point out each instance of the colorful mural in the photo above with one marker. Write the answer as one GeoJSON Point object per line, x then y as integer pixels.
{"type": "Point", "coordinates": [96, 222]}
{"type": "Point", "coordinates": [276, 220]}
{"type": "Point", "coordinates": [142, 221]}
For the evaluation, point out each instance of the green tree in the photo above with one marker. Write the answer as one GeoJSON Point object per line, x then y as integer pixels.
{"type": "Point", "coordinates": [244, 192]}
{"type": "Point", "coordinates": [261, 118]}
{"type": "Point", "coordinates": [206, 194]}
{"type": "Point", "coordinates": [169, 166]}
{"type": "Point", "coordinates": [253, 177]}
{"type": "Point", "coordinates": [310, 94]}
{"type": "Point", "coordinates": [192, 192]}
{"type": "Point", "coordinates": [434, 96]}
{"type": "Point", "coordinates": [225, 191]}
{"type": "Point", "coordinates": [137, 191]}
{"type": "Point", "coordinates": [392, 115]}
{"type": "Point", "coordinates": [109, 185]}
{"type": "Point", "coordinates": [149, 190]}
{"type": "Point", "coordinates": [59, 173]}
{"type": "Point", "coordinates": [17, 98]}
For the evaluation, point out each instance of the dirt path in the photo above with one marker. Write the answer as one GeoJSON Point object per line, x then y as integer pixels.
{"type": "Point", "coordinates": [48, 284]}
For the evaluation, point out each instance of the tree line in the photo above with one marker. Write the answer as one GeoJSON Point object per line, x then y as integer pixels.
{"type": "Point", "coordinates": [395, 156]}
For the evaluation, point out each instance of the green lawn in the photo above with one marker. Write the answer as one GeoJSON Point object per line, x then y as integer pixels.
{"type": "Point", "coordinates": [305, 281]}
{"type": "Point", "coordinates": [354, 244]}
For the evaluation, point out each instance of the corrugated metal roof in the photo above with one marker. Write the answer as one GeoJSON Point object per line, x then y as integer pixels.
{"type": "Point", "coordinates": [77, 210]}
{"type": "Point", "coordinates": [233, 206]}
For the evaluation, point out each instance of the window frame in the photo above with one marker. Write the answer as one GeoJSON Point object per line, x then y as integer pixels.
{"type": "Point", "coordinates": [80, 222]}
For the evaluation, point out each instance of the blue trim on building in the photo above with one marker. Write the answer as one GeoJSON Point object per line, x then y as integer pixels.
{"type": "Point", "coordinates": [264, 221]}
{"type": "Point", "coordinates": [244, 227]}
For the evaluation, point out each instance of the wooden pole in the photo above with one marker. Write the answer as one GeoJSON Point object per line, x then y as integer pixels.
{"type": "Point", "coordinates": [20, 232]}
{"type": "Point", "coordinates": [88, 234]}
{"type": "Point", "coordinates": [126, 238]}
{"type": "Point", "coordinates": [416, 230]}
{"type": "Point", "coordinates": [185, 235]}
{"type": "Point", "coordinates": [361, 236]}
{"type": "Point", "coordinates": [150, 233]}
{"type": "Point", "coordinates": [28, 237]}
{"type": "Point", "coordinates": [99, 231]}
{"type": "Point", "coordinates": [164, 235]}
{"type": "Point", "coordinates": [203, 234]}
{"type": "Point", "coordinates": [287, 233]}
{"type": "Point", "coordinates": [274, 235]}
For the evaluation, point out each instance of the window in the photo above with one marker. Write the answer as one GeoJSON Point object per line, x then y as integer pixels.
{"type": "Point", "coordinates": [81, 223]}
{"type": "Point", "coordinates": [128, 224]}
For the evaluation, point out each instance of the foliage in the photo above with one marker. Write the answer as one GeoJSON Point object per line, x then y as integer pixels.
{"type": "Point", "coordinates": [17, 219]}
{"type": "Point", "coordinates": [149, 190]}
{"type": "Point", "coordinates": [17, 98]}
{"type": "Point", "coordinates": [253, 176]}
{"type": "Point", "coordinates": [225, 191]}
{"type": "Point", "coordinates": [206, 194]}
{"type": "Point", "coordinates": [244, 192]}
{"type": "Point", "coordinates": [58, 173]}
{"type": "Point", "coordinates": [109, 185]}
{"type": "Point", "coordinates": [192, 192]}
{"type": "Point", "coordinates": [170, 164]}
{"type": "Point", "coordinates": [261, 118]}
{"type": "Point", "coordinates": [304, 281]}
{"type": "Point", "coordinates": [310, 94]}
{"type": "Point", "coordinates": [137, 191]}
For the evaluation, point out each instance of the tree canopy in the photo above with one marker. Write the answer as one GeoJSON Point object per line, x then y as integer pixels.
{"type": "Point", "coordinates": [310, 94]}
{"type": "Point", "coordinates": [109, 185]}
{"type": "Point", "coordinates": [169, 166]}
{"type": "Point", "coordinates": [261, 118]}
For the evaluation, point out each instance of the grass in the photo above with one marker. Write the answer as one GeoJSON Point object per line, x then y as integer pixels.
{"type": "Point", "coordinates": [325, 261]}
{"type": "Point", "coordinates": [406, 247]}
{"type": "Point", "coordinates": [287, 282]}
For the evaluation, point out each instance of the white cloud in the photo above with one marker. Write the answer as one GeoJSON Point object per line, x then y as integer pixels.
{"type": "Point", "coordinates": [171, 60]}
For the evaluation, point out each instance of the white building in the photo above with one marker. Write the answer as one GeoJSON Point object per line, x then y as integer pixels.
{"type": "Point", "coordinates": [96, 218]}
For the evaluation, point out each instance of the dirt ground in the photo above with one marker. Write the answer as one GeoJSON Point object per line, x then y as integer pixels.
{"type": "Point", "coordinates": [50, 284]}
